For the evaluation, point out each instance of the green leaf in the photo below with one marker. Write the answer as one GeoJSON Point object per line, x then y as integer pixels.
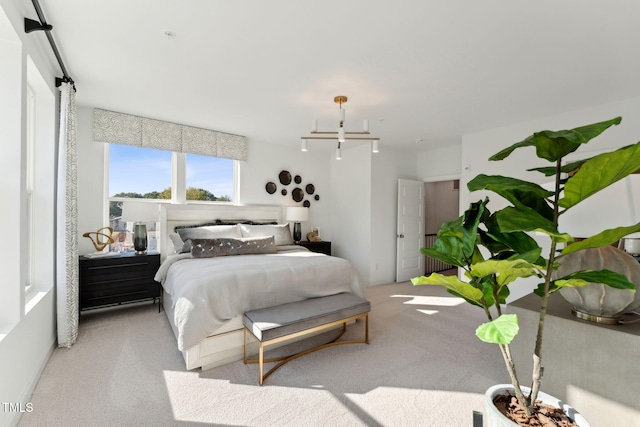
{"type": "Point", "coordinates": [506, 271]}
{"type": "Point", "coordinates": [603, 238]}
{"type": "Point", "coordinates": [501, 184]}
{"type": "Point", "coordinates": [456, 241]}
{"type": "Point", "coordinates": [551, 170]}
{"type": "Point", "coordinates": [553, 145]}
{"type": "Point", "coordinates": [497, 241]}
{"type": "Point", "coordinates": [586, 277]}
{"type": "Point", "coordinates": [463, 289]}
{"type": "Point", "coordinates": [520, 193]}
{"type": "Point", "coordinates": [513, 219]}
{"type": "Point", "coordinates": [472, 217]}
{"type": "Point", "coordinates": [599, 172]}
{"type": "Point", "coordinates": [499, 331]}
{"type": "Point", "coordinates": [442, 254]}
{"type": "Point", "coordinates": [606, 277]}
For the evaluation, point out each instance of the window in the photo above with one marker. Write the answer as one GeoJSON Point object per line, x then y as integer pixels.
{"type": "Point", "coordinates": [139, 173]}
{"type": "Point", "coordinates": [209, 178]}
{"type": "Point", "coordinates": [135, 173]}
{"type": "Point", "coordinates": [147, 173]}
{"type": "Point", "coordinates": [30, 180]}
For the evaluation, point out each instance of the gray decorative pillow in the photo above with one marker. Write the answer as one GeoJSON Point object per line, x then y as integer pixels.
{"type": "Point", "coordinates": [281, 232]}
{"type": "Point", "coordinates": [209, 248]}
{"type": "Point", "coordinates": [208, 232]}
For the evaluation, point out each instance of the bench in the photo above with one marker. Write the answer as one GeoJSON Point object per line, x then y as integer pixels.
{"type": "Point", "coordinates": [287, 321]}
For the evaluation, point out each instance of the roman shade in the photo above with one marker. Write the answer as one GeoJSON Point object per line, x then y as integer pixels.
{"type": "Point", "coordinates": [120, 128]}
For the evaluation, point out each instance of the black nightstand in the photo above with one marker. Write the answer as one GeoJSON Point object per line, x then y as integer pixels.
{"type": "Point", "coordinates": [115, 280]}
{"type": "Point", "coordinates": [321, 247]}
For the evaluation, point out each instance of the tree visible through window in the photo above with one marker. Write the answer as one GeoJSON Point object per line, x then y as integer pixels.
{"type": "Point", "coordinates": [145, 173]}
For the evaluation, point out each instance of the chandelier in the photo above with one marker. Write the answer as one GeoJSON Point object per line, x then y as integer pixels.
{"type": "Point", "coordinates": [340, 134]}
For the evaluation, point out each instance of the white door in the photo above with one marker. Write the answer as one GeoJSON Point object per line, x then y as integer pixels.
{"type": "Point", "coordinates": [410, 234]}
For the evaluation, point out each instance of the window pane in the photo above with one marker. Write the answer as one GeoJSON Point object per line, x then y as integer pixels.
{"type": "Point", "coordinates": [209, 178]}
{"type": "Point", "coordinates": [135, 172]}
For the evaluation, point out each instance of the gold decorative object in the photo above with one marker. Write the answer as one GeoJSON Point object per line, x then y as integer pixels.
{"type": "Point", "coordinates": [312, 237]}
{"type": "Point", "coordinates": [100, 239]}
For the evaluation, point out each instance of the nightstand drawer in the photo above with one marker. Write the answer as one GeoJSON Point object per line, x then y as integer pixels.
{"type": "Point", "coordinates": [116, 293]}
{"type": "Point", "coordinates": [117, 280]}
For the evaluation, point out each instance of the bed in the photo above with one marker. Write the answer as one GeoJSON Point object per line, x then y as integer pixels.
{"type": "Point", "coordinates": [205, 296]}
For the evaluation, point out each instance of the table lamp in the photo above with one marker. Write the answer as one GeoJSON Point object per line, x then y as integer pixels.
{"type": "Point", "coordinates": [139, 213]}
{"type": "Point", "coordinates": [297, 214]}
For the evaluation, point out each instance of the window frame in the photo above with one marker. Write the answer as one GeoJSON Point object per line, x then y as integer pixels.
{"type": "Point", "coordinates": [30, 147]}
{"type": "Point", "coordinates": [178, 183]}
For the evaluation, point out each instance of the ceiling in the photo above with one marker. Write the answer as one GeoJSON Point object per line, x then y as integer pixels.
{"type": "Point", "coordinates": [418, 70]}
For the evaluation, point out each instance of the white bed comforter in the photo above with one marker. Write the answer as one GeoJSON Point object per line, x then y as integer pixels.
{"type": "Point", "coordinates": [208, 292]}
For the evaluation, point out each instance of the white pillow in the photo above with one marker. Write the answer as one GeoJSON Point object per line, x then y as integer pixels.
{"type": "Point", "coordinates": [280, 232]}
{"type": "Point", "coordinates": [177, 242]}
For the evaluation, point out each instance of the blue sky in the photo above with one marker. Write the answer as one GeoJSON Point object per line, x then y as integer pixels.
{"type": "Point", "coordinates": [141, 170]}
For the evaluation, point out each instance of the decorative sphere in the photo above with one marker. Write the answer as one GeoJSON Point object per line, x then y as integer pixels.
{"type": "Point", "coordinates": [597, 299]}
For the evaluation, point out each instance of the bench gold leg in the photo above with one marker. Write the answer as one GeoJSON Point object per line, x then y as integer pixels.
{"type": "Point", "coordinates": [261, 362]}
{"type": "Point", "coordinates": [286, 359]}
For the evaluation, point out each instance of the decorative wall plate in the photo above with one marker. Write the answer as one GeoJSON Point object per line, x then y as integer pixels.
{"type": "Point", "coordinates": [283, 191]}
{"type": "Point", "coordinates": [297, 179]}
{"type": "Point", "coordinates": [285, 178]}
{"type": "Point", "coordinates": [306, 204]}
{"type": "Point", "coordinates": [317, 197]}
{"type": "Point", "coordinates": [310, 188]}
{"type": "Point", "coordinates": [297, 194]}
{"type": "Point", "coordinates": [270, 187]}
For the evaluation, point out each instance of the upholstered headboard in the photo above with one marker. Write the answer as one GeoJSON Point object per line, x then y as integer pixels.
{"type": "Point", "coordinates": [175, 215]}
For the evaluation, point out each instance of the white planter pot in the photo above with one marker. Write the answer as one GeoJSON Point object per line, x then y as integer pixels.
{"type": "Point", "coordinates": [492, 417]}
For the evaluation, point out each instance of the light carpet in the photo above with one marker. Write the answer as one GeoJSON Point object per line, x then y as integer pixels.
{"type": "Point", "coordinates": [423, 367]}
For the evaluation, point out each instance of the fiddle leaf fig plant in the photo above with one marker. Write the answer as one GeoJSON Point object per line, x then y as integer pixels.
{"type": "Point", "coordinates": [494, 249]}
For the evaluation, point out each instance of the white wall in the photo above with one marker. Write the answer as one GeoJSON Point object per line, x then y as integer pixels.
{"type": "Point", "coordinates": [27, 323]}
{"type": "Point", "coordinates": [351, 207]}
{"type": "Point", "coordinates": [477, 148]}
{"type": "Point", "coordinates": [91, 163]}
{"type": "Point", "coordinates": [440, 164]}
{"type": "Point", "coordinates": [265, 163]}
{"type": "Point", "coordinates": [388, 166]}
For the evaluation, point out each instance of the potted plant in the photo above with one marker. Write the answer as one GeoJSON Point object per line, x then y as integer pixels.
{"type": "Point", "coordinates": [495, 249]}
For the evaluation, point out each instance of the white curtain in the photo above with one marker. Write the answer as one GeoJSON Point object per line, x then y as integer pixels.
{"type": "Point", "coordinates": [67, 287]}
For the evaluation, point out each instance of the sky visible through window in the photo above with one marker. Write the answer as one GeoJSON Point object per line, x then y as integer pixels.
{"type": "Point", "coordinates": [144, 170]}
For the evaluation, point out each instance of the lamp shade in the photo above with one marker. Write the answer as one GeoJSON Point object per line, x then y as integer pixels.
{"type": "Point", "coordinates": [135, 211]}
{"type": "Point", "coordinates": [297, 213]}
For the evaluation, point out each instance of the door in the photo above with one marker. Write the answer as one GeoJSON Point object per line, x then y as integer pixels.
{"type": "Point", "coordinates": [410, 230]}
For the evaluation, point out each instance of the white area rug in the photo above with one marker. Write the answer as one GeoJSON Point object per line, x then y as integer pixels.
{"type": "Point", "coordinates": [423, 367]}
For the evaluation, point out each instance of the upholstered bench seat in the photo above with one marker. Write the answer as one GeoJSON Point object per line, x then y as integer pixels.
{"type": "Point", "coordinates": [287, 321]}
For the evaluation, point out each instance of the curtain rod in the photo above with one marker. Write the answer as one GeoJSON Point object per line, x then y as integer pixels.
{"type": "Point", "coordinates": [30, 25]}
